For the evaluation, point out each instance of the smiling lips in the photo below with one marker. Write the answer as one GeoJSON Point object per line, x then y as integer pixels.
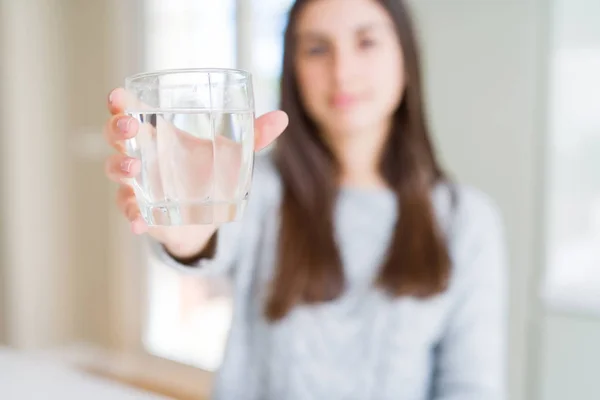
{"type": "Point", "coordinates": [343, 100]}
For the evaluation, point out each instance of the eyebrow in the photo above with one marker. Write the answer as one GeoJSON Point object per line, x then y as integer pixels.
{"type": "Point", "coordinates": [315, 35]}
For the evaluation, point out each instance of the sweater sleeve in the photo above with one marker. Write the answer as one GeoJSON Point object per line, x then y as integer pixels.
{"type": "Point", "coordinates": [470, 357]}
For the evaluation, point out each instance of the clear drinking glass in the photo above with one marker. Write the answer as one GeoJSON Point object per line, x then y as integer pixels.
{"type": "Point", "coordinates": [195, 143]}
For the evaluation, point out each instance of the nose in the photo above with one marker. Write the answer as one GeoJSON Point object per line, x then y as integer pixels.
{"type": "Point", "coordinates": [344, 67]}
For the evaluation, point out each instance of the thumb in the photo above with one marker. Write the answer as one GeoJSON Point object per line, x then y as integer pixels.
{"type": "Point", "coordinates": [268, 127]}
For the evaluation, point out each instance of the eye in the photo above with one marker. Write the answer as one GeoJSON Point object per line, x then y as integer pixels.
{"type": "Point", "coordinates": [316, 50]}
{"type": "Point", "coordinates": [366, 43]}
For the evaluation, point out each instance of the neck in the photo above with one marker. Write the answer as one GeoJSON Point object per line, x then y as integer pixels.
{"type": "Point", "coordinates": [359, 156]}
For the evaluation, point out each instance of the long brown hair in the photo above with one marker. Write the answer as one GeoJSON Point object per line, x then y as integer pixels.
{"type": "Point", "coordinates": [309, 266]}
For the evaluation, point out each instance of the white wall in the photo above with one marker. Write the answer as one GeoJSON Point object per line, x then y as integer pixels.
{"type": "Point", "coordinates": [60, 227]}
{"type": "Point", "coordinates": [570, 359]}
{"type": "Point", "coordinates": [33, 174]}
{"type": "Point", "coordinates": [3, 285]}
{"type": "Point", "coordinates": [486, 63]}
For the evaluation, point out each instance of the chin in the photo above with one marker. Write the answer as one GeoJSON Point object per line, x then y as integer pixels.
{"type": "Point", "coordinates": [349, 125]}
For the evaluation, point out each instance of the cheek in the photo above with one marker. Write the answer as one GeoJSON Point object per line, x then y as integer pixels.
{"type": "Point", "coordinates": [388, 82]}
{"type": "Point", "coordinates": [312, 84]}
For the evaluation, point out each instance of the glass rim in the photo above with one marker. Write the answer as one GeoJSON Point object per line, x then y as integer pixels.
{"type": "Point", "coordinates": [174, 71]}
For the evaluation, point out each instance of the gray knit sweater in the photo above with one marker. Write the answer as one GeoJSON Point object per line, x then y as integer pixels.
{"type": "Point", "coordinates": [365, 345]}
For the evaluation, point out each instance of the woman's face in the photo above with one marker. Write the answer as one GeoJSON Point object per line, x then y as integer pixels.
{"type": "Point", "coordinates": [349, 65]}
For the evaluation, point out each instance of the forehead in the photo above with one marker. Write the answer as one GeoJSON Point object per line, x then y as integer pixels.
{"type": "Point", "coordinates": [331, 17]}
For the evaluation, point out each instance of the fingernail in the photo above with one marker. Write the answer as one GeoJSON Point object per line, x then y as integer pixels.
{"type": "Point", "coordinates": [110, 97]}
{"type": "Point", "coordinates": [126, 164]}
{"type": "Point", "coordinates": [123, 124]}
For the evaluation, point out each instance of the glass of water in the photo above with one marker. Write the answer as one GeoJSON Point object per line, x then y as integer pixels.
{"type": "Point", "coordinates": [195, 142]}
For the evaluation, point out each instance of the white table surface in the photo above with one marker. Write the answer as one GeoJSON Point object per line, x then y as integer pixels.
{"type": "Point", "coordinates": [30, 377]}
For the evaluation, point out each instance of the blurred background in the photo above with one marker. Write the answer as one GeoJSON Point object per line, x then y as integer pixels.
{"type": "Point", "coordinates": [514, 99]}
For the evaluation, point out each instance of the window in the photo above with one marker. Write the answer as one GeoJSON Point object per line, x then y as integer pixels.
{"type": "Point", "coordinates": [190, 33]}
{"type": "Point", "coordinates": [573, 193]}
{"type": "Point", "coordinates": [270, 17]}
{"type": "Point", "coordinates": [187, 318]}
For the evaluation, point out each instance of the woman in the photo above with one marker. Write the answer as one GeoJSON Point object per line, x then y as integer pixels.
{"type": "Point", "coordinates": [360, 270]}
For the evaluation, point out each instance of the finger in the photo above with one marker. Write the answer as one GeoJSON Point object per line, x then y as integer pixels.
{"type": "Point", "coordinates": [268, 127]}
{"type": "Point", "coordinates": [120, 100]}
{"type": "Point", "coordinates": [139, 226]}
{"type": "Point", "coordinates": [125, 195]}
{"type": "Point", "coordinates": [119, 167]}
{"type": "Point", "coordinates": [137, 223]}
{"type": "Point", "coordinates": [117, 101]}
{"type": "Point", "coordinates": [127, 203]}
{"type": "Point", "coordinates": [119, 128]}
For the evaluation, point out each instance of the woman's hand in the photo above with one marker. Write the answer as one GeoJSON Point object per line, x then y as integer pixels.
{"type": "Point", "coordinates": [183, 241]}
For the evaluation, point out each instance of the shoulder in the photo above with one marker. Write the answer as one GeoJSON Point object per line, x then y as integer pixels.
{"type": "Point", "coordinates": [464, 210]}
{"type": "Point", "coordinates": [474, 227]}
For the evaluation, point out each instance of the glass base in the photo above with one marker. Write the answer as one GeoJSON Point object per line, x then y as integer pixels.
{"type": "Point", "coordinates": [192, 213]}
